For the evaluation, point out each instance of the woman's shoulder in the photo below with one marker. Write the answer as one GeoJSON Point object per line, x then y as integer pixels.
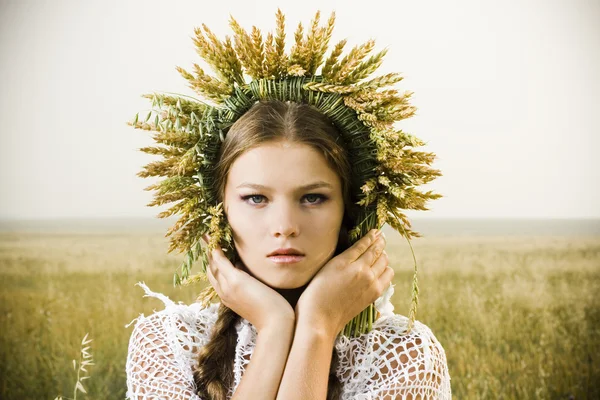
{"type": "Point", "coordinates": [161, 349]}
{"type": "Point", "coordinates": [390, 334]}
{"type": "Point", "coordinates": [392, 361]}
{"type": "Point", "coordinates": [181, 326]}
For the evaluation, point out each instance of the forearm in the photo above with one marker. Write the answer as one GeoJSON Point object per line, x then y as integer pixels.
{"type": "Point", "coordinates": [263, 374]}
{"type": "Point", "coordinates": [307, 369]}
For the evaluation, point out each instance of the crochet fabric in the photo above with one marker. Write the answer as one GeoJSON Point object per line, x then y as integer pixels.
{"type": "Point", "coordinates": [381, 364]}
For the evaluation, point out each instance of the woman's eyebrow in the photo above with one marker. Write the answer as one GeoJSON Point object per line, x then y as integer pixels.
{"type": "Point", "coordinates": [314, 185]}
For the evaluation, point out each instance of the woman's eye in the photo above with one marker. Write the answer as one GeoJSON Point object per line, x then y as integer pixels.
{"type": "Point", "coordinates": [245, 198]}
{"type": "Point", "coordinates": [317, 196]}
{"type": "Point", "coordinates": [312, 198]}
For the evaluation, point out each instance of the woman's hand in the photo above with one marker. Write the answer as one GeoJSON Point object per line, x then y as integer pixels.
{"type": "Point", "coordinates": [346, 285]}
{"type": "Point", "coordinates": [251, 299]}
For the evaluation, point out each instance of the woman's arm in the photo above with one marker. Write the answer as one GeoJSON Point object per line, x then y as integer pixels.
{"type": "Point", "coordinates": [341, 289]}
{"type": "Point", "coordinates": [307, 369]}
{"type": "Point", "coordinates": [263, 374]}
{"type": "Point", "coordinates": [269, 312]}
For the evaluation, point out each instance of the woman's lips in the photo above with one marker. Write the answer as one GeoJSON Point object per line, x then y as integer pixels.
{"type": "Point", "coordinates": [286, 259]}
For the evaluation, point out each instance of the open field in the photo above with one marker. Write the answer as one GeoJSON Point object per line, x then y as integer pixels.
{"type": "Point", "coordinates": [518, 316]}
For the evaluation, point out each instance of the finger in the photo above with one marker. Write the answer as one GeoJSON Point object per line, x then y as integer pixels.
{"type": "Point", "coordinates": [386, 277]}
{"type": "Point", "coordinates": [216, 268]}
{"type": "Point", "coordinates": [213, 281]}
{"type": "Point", "coordinates": [212, 265]}
{"type": "Point", "coordinates": [368, 258]}
{"type": "Point", "coordinates": [380, 264]}
{"type": "Point", "coordinates": [226, 269]}
{"type": "Point", "coordinates": [206, 238]}
{"type": "Point", "coordinates": [361, 246]}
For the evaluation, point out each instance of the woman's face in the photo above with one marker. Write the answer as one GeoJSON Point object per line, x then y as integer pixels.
{"type": "Point", "coordinates": [282, 212]}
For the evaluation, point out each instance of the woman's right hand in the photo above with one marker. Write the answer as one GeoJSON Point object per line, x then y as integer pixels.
{"type": "Point", "coordinates": [258, 303]}
{"type": "Point", "coordinates": [346, 285]}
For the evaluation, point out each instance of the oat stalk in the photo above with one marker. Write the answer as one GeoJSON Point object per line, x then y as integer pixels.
{"type": "Point", "coordinates": [85, 359]}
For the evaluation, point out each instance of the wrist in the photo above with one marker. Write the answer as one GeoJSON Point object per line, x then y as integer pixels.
{"type": "Point", "coordinates": [316, 325]}
{"type": "Point", "coordinates": [279, 325]}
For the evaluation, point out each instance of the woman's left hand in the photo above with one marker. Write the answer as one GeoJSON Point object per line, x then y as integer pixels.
{"type": "Point", "coordinates": [346, 285]}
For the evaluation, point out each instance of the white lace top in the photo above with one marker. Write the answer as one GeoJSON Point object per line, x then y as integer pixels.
{"type": "Point", "coordinates": [381, 364]}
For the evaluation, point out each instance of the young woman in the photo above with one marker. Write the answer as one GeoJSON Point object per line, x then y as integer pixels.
{"type": "Point", "coordinates": [284, 181]}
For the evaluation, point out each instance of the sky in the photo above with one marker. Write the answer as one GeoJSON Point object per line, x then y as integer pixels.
{"type": "Point", "coordinates": [507, 96]}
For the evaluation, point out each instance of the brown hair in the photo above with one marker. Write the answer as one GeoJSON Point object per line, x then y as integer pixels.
{"type": "Point", "coordinates": [270, 120]}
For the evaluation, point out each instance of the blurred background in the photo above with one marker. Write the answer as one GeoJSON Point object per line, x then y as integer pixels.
{"type": "Point", "coordinates": [507, 95]}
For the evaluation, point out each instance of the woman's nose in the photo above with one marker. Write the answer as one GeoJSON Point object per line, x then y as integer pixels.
{"type": "Point", "coordinates": [285, 221]}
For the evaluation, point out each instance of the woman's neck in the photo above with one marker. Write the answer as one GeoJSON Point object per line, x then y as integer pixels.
{"type": "Point", "coordinates": [292, 295]}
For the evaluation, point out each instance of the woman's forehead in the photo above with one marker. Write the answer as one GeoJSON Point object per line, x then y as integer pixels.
{"type": "Point", "coordinates": [281, 166]}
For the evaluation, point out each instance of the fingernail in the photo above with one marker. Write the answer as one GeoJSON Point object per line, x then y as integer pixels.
{"type": "Point", "coordinates": [378, 233]}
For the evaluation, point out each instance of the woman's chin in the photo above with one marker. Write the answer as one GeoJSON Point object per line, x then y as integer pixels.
{"type": "Point", "coordinates": [285, 284]}
{"type": "Point", "coordinates": [288, 287]}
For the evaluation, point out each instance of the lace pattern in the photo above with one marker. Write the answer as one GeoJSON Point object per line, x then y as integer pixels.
{"type": "Point", "coordinates": [385, 363]}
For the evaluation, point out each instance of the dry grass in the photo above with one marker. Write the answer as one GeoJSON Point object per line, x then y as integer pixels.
{"type": "Point", "coordinates": [85, 360]}
{"type": "Point", "coordinates": [519, 317]}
